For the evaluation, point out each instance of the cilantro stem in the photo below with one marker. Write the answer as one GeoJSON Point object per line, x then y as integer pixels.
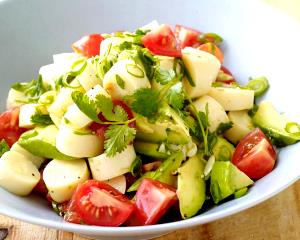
{"type": "Point", "coordinates": [203, 131]}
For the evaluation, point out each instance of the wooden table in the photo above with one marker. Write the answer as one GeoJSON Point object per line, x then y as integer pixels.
{"type": "Point", "coordinates": [277, 218]}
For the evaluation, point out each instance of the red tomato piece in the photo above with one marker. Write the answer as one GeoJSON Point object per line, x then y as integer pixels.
{"type": "Point", "coordinates": [255, 155]}
{"type": "Point", "coordinates": [187, 37]}
{"type": "Point", "coordinates": [97, 203]}
{"type": "Point", "coordinates": [89, 45]}
{"type": "Point", "coordinates": [9, 126]}
{"type": "Point", "coordinates": [41, 188]}
{"type": "Point", "coordinates": [162, 41]}
{"type": "Point", "coordinates": [153, 199]}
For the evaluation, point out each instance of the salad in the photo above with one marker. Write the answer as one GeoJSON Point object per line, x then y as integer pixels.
{"type": "Point", "coordinates": [138, 128]}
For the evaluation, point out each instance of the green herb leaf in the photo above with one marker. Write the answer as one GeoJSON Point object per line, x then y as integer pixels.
{"type": "Point", "coordinates": [111, 113]}
{"type": "Point", "coordinates": [32, 90]}
{"type": "Point", "coordinates": [3, 147]}
{"type": "Point", "coordinates": [163, 76]}
{"type": "Point", "coordinates": [175, 97]}
{"type": "Point", "coordinates": [86, 105]}
{"type": "Point", "coordinates": [117, 138]}
{"type": "Point", "coordinates": [146, 102]}
{"type": "Point", "coordinates": [120, 81]}
{"type": "Point", "coordinates": [41, 119]}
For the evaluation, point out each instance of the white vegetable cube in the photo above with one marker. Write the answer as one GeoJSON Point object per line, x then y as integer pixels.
{"type": "Point", "coordinates": [15, 98]}
{"type": "Point", "coordinates": [203, 68]}
{"type": "Point", "coordinates": [216, 113]}
{"type": "Point", "coordinates": [58, 108]}
{"type": "Point", "coordinates": [50, 73]}
{"type": "Point", "coordinates": [242, 125]}
{"type": "Point", "coordinates": [66, 60]}
{"type": "Point", "coordinates": [78, 144]}
{"type": "Point", "coordinates": [104, 167]}
{"type": "Point", "coordinates": [76, 117]}
{"type": "Point", "coordinates": [27, 111]}
{"type": "Point", "coordinates": [150, 26]}
{"type": "Point", "coordinates": [108, 45]}
{"type": "Point", "coordinates": [233, 99]}
{"type": "Point", "coordinates": [62, 177]}
{"type": "Point", "coordinates": [124, 78]}
{"type": "Point", "coordinates": [37, 161]}
{"type": "Point", "coordinates": [118, 183]}
{"type": "Point", "coordinates": [88, 78]}
{"type": "Point", "coordinates": [18, 174]}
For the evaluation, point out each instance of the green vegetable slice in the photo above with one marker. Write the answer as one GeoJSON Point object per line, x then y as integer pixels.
{"type": "Point", "coordinates": [260, 85]}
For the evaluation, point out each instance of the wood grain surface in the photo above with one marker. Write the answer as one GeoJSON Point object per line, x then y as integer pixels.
{"type": "Point", "coordinates": [276, 219]}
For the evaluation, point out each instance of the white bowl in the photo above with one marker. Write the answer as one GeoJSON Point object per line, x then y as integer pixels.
{"type": "Point", "coordinates": [259, 40]}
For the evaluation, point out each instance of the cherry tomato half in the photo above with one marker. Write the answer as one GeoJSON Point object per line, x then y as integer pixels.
{"type": "Point", "coordinates": [9, 126]}
{"type": "Point", "coordinates": [97, 203]}
{"type": "Point", "coordinates": [186, 36]}
{"type": "Point", "coordinates": [162, 41]}
{"type": "Point", "coordinates": [255, 155]}
{"type": "Point", "coordinates": [89, 45]}
{"type": "Point", "coordinates": [153, 199]}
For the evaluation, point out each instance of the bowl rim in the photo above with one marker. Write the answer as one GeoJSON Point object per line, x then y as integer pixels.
{"type": "Point", "coordinates": [149, 229]}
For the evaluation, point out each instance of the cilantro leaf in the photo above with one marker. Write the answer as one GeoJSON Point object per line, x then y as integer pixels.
{"type": "Point", "coordinates": [33, 89]}
{"type": "Point", "coordinates": [111, 113]}
{"type": "Point", "coordinates": [146, 102]}
{"type": "Point", "coordinates": [41, 119]}
{"type": "Point", "coordinates": [117, 138]}
{"type": "Point", "coordinates": [175, 97]}
{"type": "Point", "coordinates": [163, 76]}
{"type": "Point", "coordinates": [86, 105]}
{"type": "Point", "coordinates": [3, 147]}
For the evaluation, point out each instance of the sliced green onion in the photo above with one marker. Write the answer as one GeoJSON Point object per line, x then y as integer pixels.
{"type": "Point", "coordinates": [260, 85]}
{"type": "Point", "coordinates": [135, 70]}
{"type": "Point", "coordinates": [47, 98]}
{"type": "Point", "coordinates": [120, 81]}
{"type": "Point", "coordinates": [78, 67]}
{"type": "Point", "coordinates": [293, 128]}
{"type": "Point", "coordinates": [205, 38]}
{"type": "Point", "coordinates": [188, 76]}
{"type": "Point", "coordinates": [66, 81]}
{"type": "Point", "coordinates": [136, 166]}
